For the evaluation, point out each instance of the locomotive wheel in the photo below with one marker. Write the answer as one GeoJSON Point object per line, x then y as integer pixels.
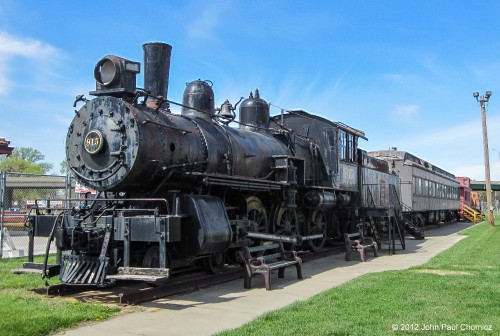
{"type": "Point", "coordinates": [317, 225]}
{"type": "Point", "coordinates": [152, 257]}
{"type": "Point", "coordinates": [214, 263]}
{"type": "Point", "coordinates": [285, 222]}
{"type": "Point", "coordinates": [257, 213]}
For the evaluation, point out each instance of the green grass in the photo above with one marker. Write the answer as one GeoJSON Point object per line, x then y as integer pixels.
{"type": "Point", "coordinates": [26, 313]}
{"type": "Point", "coordinates": [465, 292]}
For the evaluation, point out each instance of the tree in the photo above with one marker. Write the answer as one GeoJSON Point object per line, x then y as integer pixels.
{"type": "Point", "coordinates": [25, 160]}
{"type": "Point", "coordinates": [63, 167]}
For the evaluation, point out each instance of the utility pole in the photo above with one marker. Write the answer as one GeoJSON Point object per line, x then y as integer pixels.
{"type": "Point", "coordinates": [483, 100]}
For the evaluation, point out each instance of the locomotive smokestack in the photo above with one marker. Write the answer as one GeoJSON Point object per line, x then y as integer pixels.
{"type": "Point", "coordinates": [156, 67]}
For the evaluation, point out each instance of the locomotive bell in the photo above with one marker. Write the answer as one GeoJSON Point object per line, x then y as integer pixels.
{"type": "Point", "coordinates": [226, 110]}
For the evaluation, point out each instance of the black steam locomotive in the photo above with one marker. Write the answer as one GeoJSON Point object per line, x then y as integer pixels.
{"type": "Point", "coordinates": [187, 189]}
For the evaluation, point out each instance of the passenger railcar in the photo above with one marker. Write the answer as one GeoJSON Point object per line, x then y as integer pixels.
{"type": "Point", "coordinates": [379, 186]}
{"type": "Point", "coordinates": [425, 188]}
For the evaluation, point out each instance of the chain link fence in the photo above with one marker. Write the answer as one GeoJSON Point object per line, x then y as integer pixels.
{"type": "Point", "coordinates": [20, 196]}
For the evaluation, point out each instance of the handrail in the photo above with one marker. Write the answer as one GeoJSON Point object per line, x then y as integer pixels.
{"type": "Point", "coordinates": [471, 214]}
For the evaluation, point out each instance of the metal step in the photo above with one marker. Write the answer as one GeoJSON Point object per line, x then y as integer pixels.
{"type": "Point", "coordinates": [155, 276]}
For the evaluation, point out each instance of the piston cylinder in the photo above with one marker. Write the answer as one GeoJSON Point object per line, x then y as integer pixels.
{"type": "Point", "coordinates": [316, 199]}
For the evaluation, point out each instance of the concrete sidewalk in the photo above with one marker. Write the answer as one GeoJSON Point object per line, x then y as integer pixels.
{"type": "Point", "coordinates": [229, 305]}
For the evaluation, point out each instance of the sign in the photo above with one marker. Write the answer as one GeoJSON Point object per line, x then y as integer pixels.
{"type": "Point", "coordinates": [79, 189]}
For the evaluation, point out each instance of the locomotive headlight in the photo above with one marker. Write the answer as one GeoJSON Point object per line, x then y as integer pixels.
{"type": "Point", "coordinates": [107, 71]}
{"type": "Point", "coordinates": [115, 76]}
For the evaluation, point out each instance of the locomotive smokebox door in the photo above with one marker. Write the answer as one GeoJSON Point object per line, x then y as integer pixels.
{"type": "Point", "coordinates": [206, 229]}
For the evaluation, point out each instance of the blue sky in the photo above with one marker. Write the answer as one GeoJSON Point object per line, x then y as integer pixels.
{"type": "Point", "coordinates": [401, 71]}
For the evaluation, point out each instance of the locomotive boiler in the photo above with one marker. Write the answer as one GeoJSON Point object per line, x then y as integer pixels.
{"type": "Point", "coordinates": [182, 190]}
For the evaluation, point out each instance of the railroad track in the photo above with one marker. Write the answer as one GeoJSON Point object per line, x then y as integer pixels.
{"type": "Point", "coordinates": [131, 293]}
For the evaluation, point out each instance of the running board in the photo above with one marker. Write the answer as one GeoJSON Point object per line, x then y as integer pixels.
{"type": "Point", "coordinates": [295, 240]}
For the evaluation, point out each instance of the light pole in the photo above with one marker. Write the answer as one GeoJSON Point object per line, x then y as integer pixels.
{"type": "Point", "coordinates": [483, 100]}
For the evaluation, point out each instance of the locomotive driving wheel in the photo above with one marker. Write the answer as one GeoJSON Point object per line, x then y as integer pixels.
{"type": "Point", "coordinates": [285, 224]}
{"type": "Point", "coordinates": [317, 225]}
{"type": "Point", "coordinates": [214, 263]}
{"type": "Point", "coordinates": [257, 212]}
{"type": "Point", "coordinates": [151, 258]}
{"type": "Point", "coordinates": [285, 221]}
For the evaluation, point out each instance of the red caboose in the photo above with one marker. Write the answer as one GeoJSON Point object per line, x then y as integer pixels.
{"type": "Point", "coordinates": [466, 205]}
{"type": "Point", "coordinates": [465, 190]}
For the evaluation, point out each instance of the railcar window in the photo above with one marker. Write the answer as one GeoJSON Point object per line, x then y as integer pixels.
{"type": "Point", "coordinates": [350, 147]}
{"type": "Point", "coordinates": [355, 149]}
{"type": "Point", "coordinates": [418, 191]}
{"type": "Point", "coordinates": [342, 145]}
{"type": "Point", "coordinates": [331, 138]}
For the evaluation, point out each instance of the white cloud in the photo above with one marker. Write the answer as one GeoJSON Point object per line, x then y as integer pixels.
{"type": "Point", "coordinates": [456, 134]}
{"type": "Point", "coordinates": [406, 111]}
{"type": "Point", "coordinates": [430, 65]}
{"type": "Point", "coordinates": [4, 82]}
{"type": "Point", "coordinates": [457, 148]}
{"type": "Point", "coordinates": [477, 171]}
{"type": "Point", "coordinates": [30, 49]}
{"type": "Point", "coordinates": [398, 78]}
{"type": "Point", "coordinates": [208, 18]}
{"type": "Point", "coordinates": [27, 47]}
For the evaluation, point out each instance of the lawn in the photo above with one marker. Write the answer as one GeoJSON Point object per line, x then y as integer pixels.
{"type": "Point", "coordinates": [26, 313]}
{"type": "Point", "coordinates": [457, 291]}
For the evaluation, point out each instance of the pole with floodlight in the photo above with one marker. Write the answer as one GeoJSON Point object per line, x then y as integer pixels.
{"type": "Point", "coordinates": [483, 100]}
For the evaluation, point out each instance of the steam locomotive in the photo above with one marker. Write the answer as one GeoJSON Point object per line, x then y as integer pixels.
{"type": "Point", "coordinates": [177, 190]}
